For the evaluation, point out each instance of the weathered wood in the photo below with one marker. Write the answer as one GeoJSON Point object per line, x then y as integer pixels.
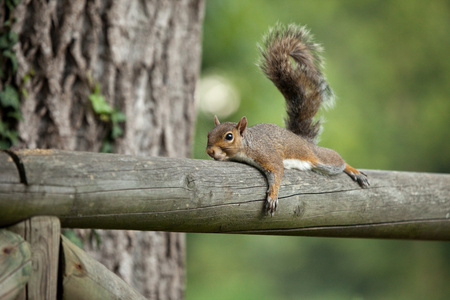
{"type": "Point", "coordinates": [15, 264]}
{"type": "Point", "coordinates": [8, 170]}
{"type": "Point", "coordinates": [92, 190]}
{"type": "Point", "coordinates": [86, 278]}
{"type": "Point", "coordinates": [43, 234]}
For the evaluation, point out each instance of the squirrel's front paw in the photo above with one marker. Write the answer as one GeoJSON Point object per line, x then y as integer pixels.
{"type": "Point", "coordinates": [271, 205]}
{"type": "Point", "coordinates": [362, 180]}
{"type": "Point", "coordinates": [359, 177]}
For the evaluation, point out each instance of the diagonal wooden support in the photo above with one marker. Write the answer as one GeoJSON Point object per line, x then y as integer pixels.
{"type": "Point", "coordinates": [85, 278]}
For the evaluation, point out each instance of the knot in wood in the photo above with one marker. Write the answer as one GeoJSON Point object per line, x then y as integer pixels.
{"type": "Point", "coordinates": [190, 182]}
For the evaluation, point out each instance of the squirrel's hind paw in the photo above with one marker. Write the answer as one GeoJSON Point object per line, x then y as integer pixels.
{"type": "Point", "coordinates": [271, 205]}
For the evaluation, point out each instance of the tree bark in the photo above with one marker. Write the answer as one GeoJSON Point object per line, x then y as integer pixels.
{"type": "Point", "coordinates": [145, 57]}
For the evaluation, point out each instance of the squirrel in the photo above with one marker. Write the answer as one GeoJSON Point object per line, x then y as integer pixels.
{"type": "Point", "coordinates": [292, 61]}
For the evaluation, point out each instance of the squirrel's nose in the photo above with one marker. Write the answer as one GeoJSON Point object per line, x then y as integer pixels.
{"type": "Point", "coordinates": [210, 152]}
{"type": "Point", "coordinates": [216, 153]}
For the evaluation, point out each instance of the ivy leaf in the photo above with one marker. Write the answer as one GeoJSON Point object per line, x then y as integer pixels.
{"type": "Point", "coordinates": [107, 147]}
{"type": "Point", "coordinates": [12, 57]}
{"type": "Point", "coordinates": [16, 115]}
{"type": "Point", "coordinates": [24, 92]}
{"type": "Point", "coordinates": [13, 38]}
{"type": "Point", "coordinates": [10, 97]}
{"type": "Point", "coordinates": [8, 40]}
{"type": "Point", "coordinates": [116, 132]}
{"type": "Point", "coordinates": [72, 236]}
{"type": "Point", "coordinates": [4, 43]}
{"type": "Point", "coordinates": [13, 136]}
{"type": "Point", "coordinates": [4, 145]}
{"type": "Point", "coordinates": [99, 104]}
{"type": "Point", "coordinates": [7, 137]}
{"type": "Point", "coordinates": [3, 129]}
{"type": "Point", "coordinates": [12, 3]}
{"type": "Point", "coordinates": [118, 116]}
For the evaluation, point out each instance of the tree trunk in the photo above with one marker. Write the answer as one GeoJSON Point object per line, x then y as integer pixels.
{"type": "Point", "coordinates": [144, 56]}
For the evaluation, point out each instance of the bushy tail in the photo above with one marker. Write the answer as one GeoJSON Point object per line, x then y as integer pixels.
{"type": "Point", "coordinates": [292, 61]}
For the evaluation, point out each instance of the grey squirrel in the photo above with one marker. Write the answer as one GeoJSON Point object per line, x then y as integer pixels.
{"type": "Point", "coordinates": [292, 61]}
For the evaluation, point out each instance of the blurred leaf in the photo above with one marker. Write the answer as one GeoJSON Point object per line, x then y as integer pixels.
{"type": "Point", "coordinates": [11, 4]}
{"type": "Point", "coordinates": [107, 147]}
{"type": "Point", "coordinates": [16, 115]}
{"type": "Point", "coordinates": [24, 92]}
{"type": "Point", "coordinates": [118, 116]}
{"type": "Point", "coordinates": [3, 128]}
{"type": "Point", "coordinates": [4, 144]}
{"type": "Point", "coordinates": [99, 104]}
{"type": "Point", "coordinates": [13, 38]}
{"type": "Point", "coordinates": [72, 236]}
{"type": "Point", "coordinates": [116, 131]}
{"type": "Point", "coordinates": [12, 58]}
{"type": "Point", "coordinates": [4, 42]}
{"type": "Point", "coordinates": [9, 97]}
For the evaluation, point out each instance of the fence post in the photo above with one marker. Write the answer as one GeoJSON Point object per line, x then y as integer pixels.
{"type": "Point", "coordinates": [43, 234]}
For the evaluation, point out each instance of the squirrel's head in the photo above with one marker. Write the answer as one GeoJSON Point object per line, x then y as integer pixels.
{"type": "Point", "coordinates": [225, 140]}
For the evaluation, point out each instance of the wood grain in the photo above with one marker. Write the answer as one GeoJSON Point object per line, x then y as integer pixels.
{"type": "Point", "coordinates": [86, 278]}
{"type": "Point", "coordinates": [113, 191]}
{"type": "Point", "coordinates": [15, 264]}
{"type": "Point", "coordinates": [43, 234]}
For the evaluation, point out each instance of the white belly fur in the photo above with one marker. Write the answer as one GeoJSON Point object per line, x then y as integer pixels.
{"type": "Point", "coordinates": [301, 165]}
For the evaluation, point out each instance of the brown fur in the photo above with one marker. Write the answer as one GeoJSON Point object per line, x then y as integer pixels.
{"type": "Point", "coordinates": [291, 60]}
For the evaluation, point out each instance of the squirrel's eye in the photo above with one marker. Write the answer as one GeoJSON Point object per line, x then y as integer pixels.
{"type": "Point", "coordinates": [229, 137]}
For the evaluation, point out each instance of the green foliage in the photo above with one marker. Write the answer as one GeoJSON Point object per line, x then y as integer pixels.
{"type": "Point", "coordinates": [72, 236]}
{"type": "Point", "coordinates": [91, 237]}
{"type": "Point", "coordinates": [8, 39]}
{"type": "Point", "coordinates": [109, 115]}
{"type": "Point", "coordinates": [7, 42]}
{"type": "Point", "coordinates": [9, 97]}
{"type": "Point", "coordinates": [388, 64]}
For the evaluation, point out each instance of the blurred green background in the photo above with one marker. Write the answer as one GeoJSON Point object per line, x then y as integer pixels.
{"type": "Point", "coordinates": [388, 63]}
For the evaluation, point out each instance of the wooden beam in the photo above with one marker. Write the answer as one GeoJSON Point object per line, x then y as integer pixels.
{"type": "Point", "coordinates": [110, 191]}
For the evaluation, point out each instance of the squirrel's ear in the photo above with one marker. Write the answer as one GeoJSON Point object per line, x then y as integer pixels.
{"type": "Point", "coordinates": [216, 120]}
{"type": "Point", "coordinates": [242, 125]}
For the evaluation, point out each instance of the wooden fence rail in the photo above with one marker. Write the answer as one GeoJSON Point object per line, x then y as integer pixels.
{"type": "Point", "coordinates": [111, 191]}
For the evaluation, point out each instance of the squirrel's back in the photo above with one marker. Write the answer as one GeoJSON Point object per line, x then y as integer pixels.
{"type": "Point", "coordinates": [291, 60]}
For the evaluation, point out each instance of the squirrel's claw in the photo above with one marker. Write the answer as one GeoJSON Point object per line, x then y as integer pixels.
{"type": "Point", "coordinates": [358, 176]}
{"type": "Point", "coordinates": [271, 205]}
{"type": "Point", "coordinates": [362, 180]}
